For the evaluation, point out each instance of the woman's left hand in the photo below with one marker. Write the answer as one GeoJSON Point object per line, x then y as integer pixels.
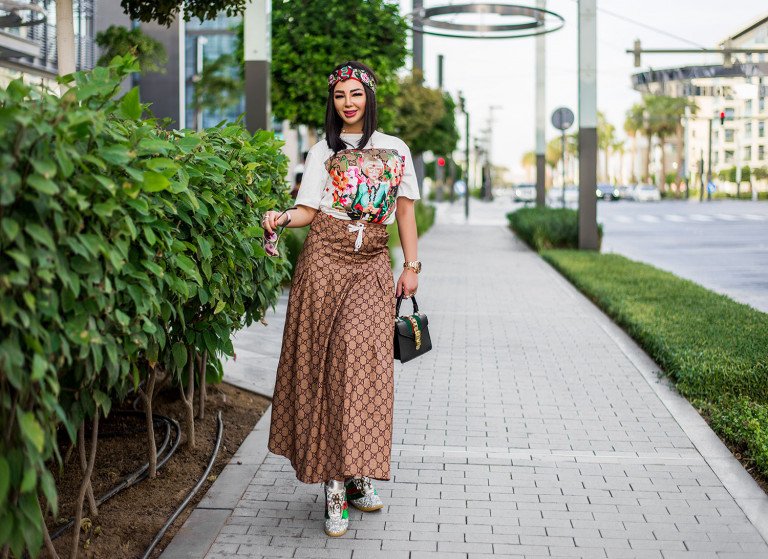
{"type": "Point", "coordinates": [407, 284]}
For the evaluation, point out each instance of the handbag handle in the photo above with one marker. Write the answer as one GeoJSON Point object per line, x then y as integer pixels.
{"type": "Point", "coordinates": [400, 300]}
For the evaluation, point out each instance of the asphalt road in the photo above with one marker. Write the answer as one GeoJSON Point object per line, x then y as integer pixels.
{"type": "Point", "coordinates": [722, 245]}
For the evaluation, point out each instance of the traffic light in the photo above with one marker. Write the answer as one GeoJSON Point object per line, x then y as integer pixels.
{"type": "Point", "coordinates": [441, 161]}
{"type": "Point", "coordinates": [722, 117]}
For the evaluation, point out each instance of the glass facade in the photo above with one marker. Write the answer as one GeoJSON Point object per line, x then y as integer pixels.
{"type": "Point", "coordinates": [205, 42]}
{"type": "Point", "coordinates": [45, 35]}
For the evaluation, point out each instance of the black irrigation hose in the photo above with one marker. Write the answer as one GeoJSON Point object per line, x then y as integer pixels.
{"type": "Point", "coordinates": [140, 474]}
{"type": "Point", "coordinates": [194, 490]}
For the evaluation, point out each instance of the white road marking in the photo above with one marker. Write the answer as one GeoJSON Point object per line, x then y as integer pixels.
{"type": "Point", "coordinates": [754, 217]}
{"type": "Point", "coordinates": [648, 218]}
{"type": "Point", "coordinates": [727, 217]}
{"type": "Point", "coordinates": [674, 217]}
{"type": "Point", "coordinates": [700, 217]}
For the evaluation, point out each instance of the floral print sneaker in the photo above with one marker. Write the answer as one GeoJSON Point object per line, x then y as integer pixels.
{"type": "Point", "coordinates": [336, 512]}
{"type": "Point", "coordinates": [362, 495]}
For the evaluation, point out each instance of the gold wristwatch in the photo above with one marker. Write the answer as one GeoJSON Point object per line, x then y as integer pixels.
{"type": "Point", "coordinates": [415, 265]}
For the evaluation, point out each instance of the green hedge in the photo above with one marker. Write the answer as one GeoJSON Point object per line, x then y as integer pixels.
{"type": "Point", "coordinates": [125, 247]}
{"type": "Point", "coordinates": [546, 228]}
{"type": "Point", "coordinates": [716, 350]}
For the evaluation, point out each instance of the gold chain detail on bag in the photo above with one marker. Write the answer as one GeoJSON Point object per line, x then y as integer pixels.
{"type": "Point", "coordinates": [416, 331]}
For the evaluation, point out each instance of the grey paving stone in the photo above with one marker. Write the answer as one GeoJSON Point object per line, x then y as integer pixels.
{"type": "Point", "coordinates": [534, 428]}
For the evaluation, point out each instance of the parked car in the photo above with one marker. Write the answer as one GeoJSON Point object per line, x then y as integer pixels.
{"type": "Point", "coordinates": [625, 192]}
{"type": "Point", "coordinates": [646, 193]}
{"type": "Point", "coordinates": [525, 193]}
{"type": "Point", "coordinates": [607, 192]}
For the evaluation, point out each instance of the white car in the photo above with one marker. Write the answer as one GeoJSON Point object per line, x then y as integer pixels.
{"type": "Point", "coordinates": [646, 193]}
{"type": "Point", "coordinates": [525, 193]}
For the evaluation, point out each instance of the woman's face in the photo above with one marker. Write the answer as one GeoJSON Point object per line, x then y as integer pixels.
{"type": "Point", "coordinates": [349, 100]}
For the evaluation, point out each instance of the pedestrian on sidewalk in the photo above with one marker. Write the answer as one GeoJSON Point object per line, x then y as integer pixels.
{"type": "Point", "coordinates": [334, 391]}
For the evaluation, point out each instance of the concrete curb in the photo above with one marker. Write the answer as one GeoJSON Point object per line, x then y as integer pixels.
{"type": "Point", "coordinates": [199, 532]}
{"type": "Point", "coordinates": [745, 491]}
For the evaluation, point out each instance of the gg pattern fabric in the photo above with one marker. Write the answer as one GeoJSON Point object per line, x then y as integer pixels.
{"type": "Point", "coordinates": [334, 392]}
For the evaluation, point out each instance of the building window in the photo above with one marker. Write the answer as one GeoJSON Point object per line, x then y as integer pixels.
{"type": "Point", "coordinates": [729, 134]}
{"type": "Point", "coordinates": [716, 159]}
{"type": "Point", "coordinates": [761, 129]}
{"type": "Point", "coordinates": [729, 156]}
{"type": "Point", "coordinates": [760, 153]}
{"type": "Point", "coordinates": [761, 104]}
{"type": "Point", "coordinates": [748, 107]}
{"type": "Point", "coordinates": [748, 153]}
{"type": "Point", "coordinates": [748, 130]}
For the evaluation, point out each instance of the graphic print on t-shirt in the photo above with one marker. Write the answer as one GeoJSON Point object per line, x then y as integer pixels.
{"type": "Point", "coordinates": [365, 182]}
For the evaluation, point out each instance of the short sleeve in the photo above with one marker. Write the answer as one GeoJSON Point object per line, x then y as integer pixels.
{"type": "Point", "coordinates": [409, 185]}
{"type": "Point", "coordinates": [314, 179]}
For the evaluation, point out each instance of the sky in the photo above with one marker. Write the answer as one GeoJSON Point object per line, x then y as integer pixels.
{"type": "Point", "coordinates": [502, 72]}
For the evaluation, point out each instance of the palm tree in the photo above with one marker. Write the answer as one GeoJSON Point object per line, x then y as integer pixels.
{"type": "Point", "coordinates": [664, 120]}
{"type": "Point", "coordinates": [633, 125]}
{"type": "Point", "coordinates": [528, 161]}
{"type": "Point", "coordinates": [606, 137]}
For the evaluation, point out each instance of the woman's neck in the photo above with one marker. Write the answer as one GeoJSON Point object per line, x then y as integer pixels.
{"type": "Point", "coordinates": [352, 130]}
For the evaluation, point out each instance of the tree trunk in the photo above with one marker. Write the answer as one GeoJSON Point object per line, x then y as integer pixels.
{"type": "Point", "coordinates": [49, 544]}
{"type": "Point", "coordinates": [607, 174]}
{"type": "Point", "coordinates": [663, 187]}
{"type": "Point", "coordinates": [84, 468]}
{"type": "Point", "coordinates": [147, 397]}
{"type": "Point", "coordinates": [188, 397]}
{"type": "Point", "coordinates": [648, 160]}
{"type": "Point", "coordinates": [633, 176]}
{"type": "Point", "coordinates": [65, 37]}
{"type": "Point", "coordinates": [203, 364]}
{"type": "Point", "coordinates": [86, 483]}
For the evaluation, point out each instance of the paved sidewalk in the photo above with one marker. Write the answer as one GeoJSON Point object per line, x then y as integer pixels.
{"type": "Point", "coordinates": [534, 428]}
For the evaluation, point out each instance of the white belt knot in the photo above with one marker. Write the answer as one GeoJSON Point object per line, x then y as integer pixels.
{"type": "Point", "coordinates": [358, 226]}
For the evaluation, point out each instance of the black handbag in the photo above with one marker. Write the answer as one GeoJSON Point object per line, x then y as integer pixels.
{"type": "Point", "coordinates": [411, 333]}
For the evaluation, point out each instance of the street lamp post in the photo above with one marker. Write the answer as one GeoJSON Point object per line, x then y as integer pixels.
{"type": "Point", "coordinates": [588, 234]}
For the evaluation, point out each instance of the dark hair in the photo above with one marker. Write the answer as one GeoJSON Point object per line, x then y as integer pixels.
{"type": "Point", "coordinates": [334, 123]}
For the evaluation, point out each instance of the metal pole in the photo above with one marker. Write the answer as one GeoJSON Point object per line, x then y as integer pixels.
{"type": "Point", "coordinates": [686, 164]}
{"type": "Point", "coordinates": [466, 172]}
{"type": "Point", "coordinates": [257, 55]}
{"type": "Point", "coordinates": [587, 125]}
{"type": "Point", "coordinates": [540, 114]}
{"type": "Point", "coordinates": [701, 176]}
{"type": "Point", "coordinates": [709, 160]}
{"type": "Point", "coordinates": [562, 148]}
{"type": "Point", "coordinates": [182, 27]}
{"type": "Point", "coordinates": [440, 71]}
{"type": "Point", "coordinates": [418, 65]}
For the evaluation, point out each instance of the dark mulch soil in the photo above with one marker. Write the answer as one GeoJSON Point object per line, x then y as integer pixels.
{"type": "Point", "coordinates": [128, 522]}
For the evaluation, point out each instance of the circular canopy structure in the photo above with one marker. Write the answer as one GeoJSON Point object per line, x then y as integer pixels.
{"type": "Point", "coordinates": [484, 21]}
{"type": "Point", "coordinates": [11, 14]}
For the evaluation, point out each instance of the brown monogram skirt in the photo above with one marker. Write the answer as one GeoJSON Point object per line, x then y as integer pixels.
{"type": "Point", "coordinates": [334, 391]}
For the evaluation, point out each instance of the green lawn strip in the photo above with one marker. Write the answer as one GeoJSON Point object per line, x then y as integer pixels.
{"type": "Point", "coordinates": [715, 349]}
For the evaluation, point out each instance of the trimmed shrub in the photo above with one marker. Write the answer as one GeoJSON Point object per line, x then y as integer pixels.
{"type": "Point", "coordinates": [545, 228]}
{"type": "Point", "coordinates": [126, 248]}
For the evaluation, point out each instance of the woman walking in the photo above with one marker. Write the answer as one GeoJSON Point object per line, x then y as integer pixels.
{"type": "Point", "coordinates": [334, 391]}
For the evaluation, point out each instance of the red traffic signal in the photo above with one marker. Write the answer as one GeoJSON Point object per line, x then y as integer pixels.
{"type": "Point", "coordinates": [722, 117]}
{"type": "Point", "coordinates": [441, 161]}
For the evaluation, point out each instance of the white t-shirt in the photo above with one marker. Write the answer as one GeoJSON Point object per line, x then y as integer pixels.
{"type": "Point", "coordinates": [359, 183]}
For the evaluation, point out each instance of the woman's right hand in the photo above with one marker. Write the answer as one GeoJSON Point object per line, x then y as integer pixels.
{"type": "Point", "coordinates": [271, 219]}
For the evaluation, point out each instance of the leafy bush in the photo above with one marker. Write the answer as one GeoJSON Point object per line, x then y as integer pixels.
{"type": "Point", "coordinates": [126, 248]}
{"type": "Point", "coordinates": [545, 228]}
{"type": "Point", "coordinates": [714, 348]}
{"type": "Point", "coordinates": [744, 424]}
